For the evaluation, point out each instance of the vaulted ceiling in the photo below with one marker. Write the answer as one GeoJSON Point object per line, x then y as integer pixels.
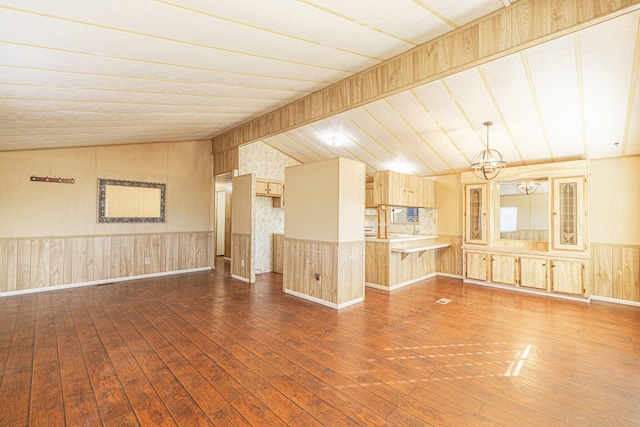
{"type": "Point", "coordinates": [76, 73]}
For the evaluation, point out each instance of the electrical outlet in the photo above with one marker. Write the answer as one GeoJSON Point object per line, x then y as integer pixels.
{"type": "Point", "coordinates": [147, 261]}
{"type": "Point", "coordinates": [318, 278]}
{"type": "Point", "coordinates": [242, 263]}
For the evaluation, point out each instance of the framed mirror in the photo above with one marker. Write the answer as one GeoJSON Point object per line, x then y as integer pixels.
{"type": "Point", "coordinates": [130, 201]}
{"type": "Point", "coordinates": [524, 210]}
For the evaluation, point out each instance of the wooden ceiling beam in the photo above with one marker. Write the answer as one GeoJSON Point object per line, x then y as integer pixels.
{"type": "Point", "coordinates": [524, 24]}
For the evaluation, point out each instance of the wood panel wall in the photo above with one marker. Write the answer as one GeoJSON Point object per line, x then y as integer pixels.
{"type": "Point", "coordinates": [451, 257]}
{"type": "Point", "coordinates": [225, 161]}
{"type": "Point", "coordinates": [278, 253]}
{"type": "Point", "coordinates": [615, 271]}
{"type": "Point", "coordinates": [524, 24]}
{"type": "Point", "coordinates": [340, 265]}
{"type": "Point", "coordinates": [241, 256]}
{"type": "Point", "coordinates": [44, 262]}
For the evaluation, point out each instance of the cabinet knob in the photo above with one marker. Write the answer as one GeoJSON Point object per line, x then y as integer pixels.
{"type": "Point", "coordinates": [544, 265]}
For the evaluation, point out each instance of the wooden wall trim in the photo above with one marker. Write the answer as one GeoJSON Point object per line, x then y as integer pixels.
{"type": "Point", "coordinates": [44, 262]}
{"type": "Point", "coordinates": [524, 24]}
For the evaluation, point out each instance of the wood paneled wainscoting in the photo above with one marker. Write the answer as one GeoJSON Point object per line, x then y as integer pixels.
{"type": "Point", "coordinates": [450, 263]}
{"type": "Point", "coordinates": [45, 262]}
{"type": "Point", "coordinates": [340, 267]}
{"type": "Point", "coordinates": [615, 271]}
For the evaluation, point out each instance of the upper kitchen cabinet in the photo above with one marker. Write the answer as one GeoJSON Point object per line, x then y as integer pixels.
{"type": "Point", "coordinates": [368, 194]}
{"type": "Point", "coordinates": [269, 188]}
{"type": "Point", "coordinates": [397, 189]}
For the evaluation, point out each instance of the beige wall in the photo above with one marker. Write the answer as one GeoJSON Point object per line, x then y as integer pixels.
{"type": "Point", "coordinates": [614, 200]}
{"type": "Point", "coordinates": [449, 204]}
{"type": "Point", "coordinates": [38, 209]}
{"type": "Point", "coordinates": [325, 201]}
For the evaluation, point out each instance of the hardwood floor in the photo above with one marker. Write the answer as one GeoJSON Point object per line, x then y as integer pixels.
{"type": "Point", "coordinates": [204, 349]}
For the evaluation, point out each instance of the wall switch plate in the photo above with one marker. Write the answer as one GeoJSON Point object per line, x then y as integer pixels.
{"type": "Point", "coordinates": [147, 261]}
{"type": "Point", "coordinates": [242, 263]}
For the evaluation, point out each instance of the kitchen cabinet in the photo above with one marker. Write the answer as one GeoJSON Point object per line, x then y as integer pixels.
{"type": "Point", "coordinates": [534, 272]}
{"type": "Point", "coordinates": [475, 214]}
{"type": "Point", "coordinates": [368, 194]}
{"type": "Point", "coordinates": [476, 266]}
{"type": "Point", "coordinates": [271, 188]}
{"type": "Point", "coordinates": [567, 276]}
{"type": "Point", "coordinates": [503, 269]}
{"type": "Point", "coordinates": [397, 189]}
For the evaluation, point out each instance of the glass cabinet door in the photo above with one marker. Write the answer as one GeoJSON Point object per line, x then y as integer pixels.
{"type": "Point", "coordinates": [476, 214]}
{"type": "Point", "coordinates": [568, 214]}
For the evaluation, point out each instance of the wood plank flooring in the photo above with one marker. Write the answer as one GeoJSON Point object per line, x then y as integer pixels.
{"type": "Point", "coordinates": [204, 349]}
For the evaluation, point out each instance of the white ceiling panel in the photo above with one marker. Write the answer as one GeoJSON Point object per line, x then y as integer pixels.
{"type": "Point", "coordinates": [554, 75]}
{"type": "Point", "coordinates": [74, 73]}
{"type": "Point", "coordinates": [507, 80]}
{"type": "Point", "coordinates": [607, 79]}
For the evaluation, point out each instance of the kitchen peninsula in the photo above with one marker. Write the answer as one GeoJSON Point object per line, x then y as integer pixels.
{"type": "Point", "coordinates": [401, 259]}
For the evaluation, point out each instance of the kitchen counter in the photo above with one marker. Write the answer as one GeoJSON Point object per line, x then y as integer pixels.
{"type": "Point", "coordinates": [395, 237]}
{"type": "Point", "coordinates": [401, 259]}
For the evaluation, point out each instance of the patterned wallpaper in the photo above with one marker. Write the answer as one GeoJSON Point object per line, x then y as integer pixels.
{"type": "Point", "coordinates": [265, 162]}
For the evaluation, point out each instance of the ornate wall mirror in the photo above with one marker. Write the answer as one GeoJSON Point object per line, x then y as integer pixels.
{"type": "Point", "coordinates": [130, 201]}
{"type": "Point", "coordinates": [524, 210]}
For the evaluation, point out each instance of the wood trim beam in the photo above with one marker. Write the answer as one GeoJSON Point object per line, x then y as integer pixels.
{"type": "Point", "coordinates": [524, 24]}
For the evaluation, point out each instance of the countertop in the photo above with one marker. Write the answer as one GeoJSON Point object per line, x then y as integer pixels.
{"type": "Point", "coordinates": [396, 237]}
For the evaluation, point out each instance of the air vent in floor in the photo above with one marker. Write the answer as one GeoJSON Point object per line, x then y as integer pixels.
{"type": "Point", "coordinates": [443, 301]}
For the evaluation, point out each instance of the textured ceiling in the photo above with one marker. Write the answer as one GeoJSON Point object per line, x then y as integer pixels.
{"type": "Point", "coordinates": [78, 73]}
{"type": "Point", "coordinates": [575, 97]}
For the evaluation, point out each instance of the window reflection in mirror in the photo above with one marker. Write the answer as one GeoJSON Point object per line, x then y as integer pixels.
{"type": "Point", "coordinates": [130, 201]}
{"type": "Point", "coordinates": [524, 210]}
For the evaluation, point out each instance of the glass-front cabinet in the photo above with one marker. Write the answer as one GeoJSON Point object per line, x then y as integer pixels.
{"type": "Point", "coordinates": [528, 229]}
{"type": "Point", "coordinates": [476, 230]}
{"type": "Point", "coordinates": [568, 214]}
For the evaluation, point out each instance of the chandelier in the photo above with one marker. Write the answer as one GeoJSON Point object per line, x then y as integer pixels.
{"type": "Point", "coordinates": [488, 163]}
{"type": "Point", "coordinates": [527, 187]}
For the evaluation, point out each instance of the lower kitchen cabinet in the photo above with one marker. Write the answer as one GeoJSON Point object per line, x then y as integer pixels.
{"type": "Point", "coordinates": [503, 269]}
{"type": "Point", "coordinates": [477, 265]}
{"type": "Point", "coordinates": [557, 275]}
{"type": "Point", "coordinates": [567, 276]}
{"type": "Point", "coordinates": [534, 273]}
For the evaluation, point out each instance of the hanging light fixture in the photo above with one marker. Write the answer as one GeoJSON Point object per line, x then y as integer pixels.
{"type": "Point", "coordinates": [527, 187]}
{"type": "Point", "coordinates": [488, 163]}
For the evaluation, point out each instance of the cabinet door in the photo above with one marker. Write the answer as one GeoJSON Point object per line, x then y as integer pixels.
{"type": "Point", "coordinates": [503, 269]}
{"type": "Point", "coordinates": [262, 188]}
{"type": "Point", "coordinates": [533, 273]}
{"type": "Point", "coordinates": [568, 214]}
{"type": "Point", "coordinates": [275, 189]}
{"type": "Point", "coordinates": [476, 214]}
{"type": "Point", "coordinates": [429, 193]}
{"type": "Point", "coordinates": [567, 277]}
{"type": "Point", "coordinates": [476, 266]}
{"type": "Point", "coordinates": [368, 195]}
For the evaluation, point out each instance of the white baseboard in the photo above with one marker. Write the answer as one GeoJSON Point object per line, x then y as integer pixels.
{"type": "Point", "coordinates": [101, 282]}
{"type": "Point", "coordinates": [451, 276]}
{"type": "Point", "coordinates": [527, 291]}
{"type": "Point", "coordinates": [244, 279]}
{"type": "Point", "coordinates": [615, 300]}
{"type": "Point", "coordinates": [400, 285]}
{"type": "Point", "coordinates": [323, 302]}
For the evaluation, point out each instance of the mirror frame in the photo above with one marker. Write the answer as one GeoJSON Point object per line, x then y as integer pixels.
{"type": "Point", "coordinates": [102, 218]}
